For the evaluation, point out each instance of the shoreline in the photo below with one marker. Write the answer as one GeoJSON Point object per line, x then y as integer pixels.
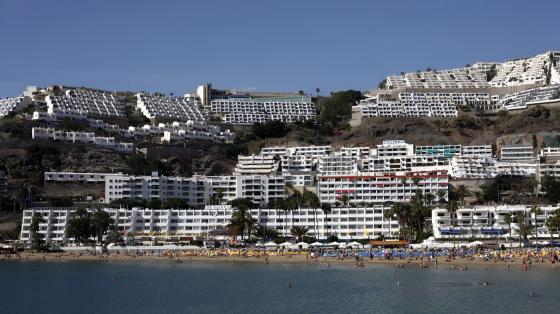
{"type": "Point", "coordinates": [459, 264]}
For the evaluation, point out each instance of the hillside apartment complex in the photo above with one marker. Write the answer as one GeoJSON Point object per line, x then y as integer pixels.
{"type": "Point", "coordinates": [490, 87]}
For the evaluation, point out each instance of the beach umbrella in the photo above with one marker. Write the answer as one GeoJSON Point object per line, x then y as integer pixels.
{"type": "Point", "coordinates": [302, 245]}
{"type": "Point", "coordinates": [286, 244]}
{"type": "Point", "coordinates": [270, 244]}
{"type": "Point", "coordinates": [259, 244]}
{"type": "Point", "coordinates": [354, 244]}
{"type": "Point", "coordinates": [333, 244]}
{"type": "Point", "coordinates": [475, 243]}
{"type": "Point", "coordinates": [316, 244]}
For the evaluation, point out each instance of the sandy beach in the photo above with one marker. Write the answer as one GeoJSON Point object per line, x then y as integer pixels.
{"type": "Point", "coordinates": [299, 259]}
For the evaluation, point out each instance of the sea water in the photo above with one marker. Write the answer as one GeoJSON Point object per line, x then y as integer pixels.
{"type": "Point", "coordinates": [165, 287]}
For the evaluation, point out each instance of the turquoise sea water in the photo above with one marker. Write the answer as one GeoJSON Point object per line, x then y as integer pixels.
{"type": "Point", "coordinates": [150, 287]}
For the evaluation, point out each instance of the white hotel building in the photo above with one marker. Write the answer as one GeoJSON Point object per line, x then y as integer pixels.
{"type": "Point", "coordinates": [373, 187]}
{"type": "Point", "coordinates": [196, 190]}
{"type": "Point", "coordinates": [14, 104]}
{"type": "Point", "coordinates": [80, 103]}
{"type": "Point", "coordinates": [247, 111]}
{"type": "Point", "coordinates": [488, 222]}
{"type": "Point", "coordinates": [81, 137]}
{"type": "Point", "coordinates": [347, 223]}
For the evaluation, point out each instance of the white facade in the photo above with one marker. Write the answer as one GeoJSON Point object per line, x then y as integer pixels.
{"type": "Point", "coordinates": [256, 164]}
{"type": "Point", "coordinates": [488, 222]}
{"type": "Point", "coordinates": [517, 153]}
{"type": "Point", "coordinates": [380, 187]}
{"type": "Point", "coordinates": [247, 111]}
{"type": "Point", "coordinates": [467, 167]}
{"type": "Point", "coordinates": [81, 102]}
{"type": "Point", "coordinates": [194, 190]}
{"type": "Point", "coordinates": [179, 108]}
{"type": "Point", "coordinates": [15, 104]}
{"type": "Point", "coordinates": [394, 148]}
{"type": "Point", "coordinates": [347, 223]}
{"type": "Point", "coordinates": [81, 137]}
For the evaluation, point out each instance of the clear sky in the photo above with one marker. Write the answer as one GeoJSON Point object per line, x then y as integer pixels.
{"type": "Point", "coordinates": [173, 46]}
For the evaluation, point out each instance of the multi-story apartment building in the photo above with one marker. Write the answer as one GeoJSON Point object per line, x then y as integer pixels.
{"type": "Point", "coordinates": [517, 153]}
{"type": "Point", "coordinates": [170, 108]}
{"type": "Point", "coordinates": [256, 165]}
{"type": "Point", "coordinates": [81, 137]}
{"type": "Point", "coordinates": [261, 189]}
{"type": "Point", "coordinates": [194, 190]}
{"type": "Point", "coordinates": [14, 104]}
{"type": "Point", "coordinates": [449, 151]}
{"type": "Point", "coordinates": [394, 148]}
{"type": "Point", "coordinates": [80, 103]}
{"type": "Point", "coordinates": [489, 222]}
{"type": "Point", "coordinates": [380, 187]}
{"type": "Point", "coordinates": [472, 167]}
{"type": "Point", "coordinates": [347, 222]}
{"type": "Point", "coordinates": [248, 111]}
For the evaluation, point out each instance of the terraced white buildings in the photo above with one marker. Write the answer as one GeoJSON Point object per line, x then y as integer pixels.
{"type": "Point", "coordinates": [170, 108]}
{"type": "Point", "coordinates": [247, 111]}
{"type": "Point", "coordinates": [14, 104]}
{"type": "Point", "coordinates": [524, 71]}
{"type": "Point", "coordinates": [81, 103]}
{"type": "Point", "coordinates": [81, 137]}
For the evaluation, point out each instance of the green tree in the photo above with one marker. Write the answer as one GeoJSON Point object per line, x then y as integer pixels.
{"type": "Point", "coordinates": [441, 196]}
{"type": "Point", "coordinates": [101, 223]}
{"type": "Point", "coordinates": [338, 107]}
{"type": "Point", "coordinates": [79, 226]}
{"type": "Point", "coordinates": [311, 201]}
{"type": "Point", "coordinates": [326, 207]}
{"type": "Point", "coordinates": [154, 203]}
{"type": "Point", "coordinates": [36, 236]}
{"type": "Point", "coordinates": [524, 229]}
{"type": "Point", "coordinates": [462, 192]}
{"type": "Point", "coordinates": [299, 232]}
{"type": "Point", "coordinates": [344, 199]}
{"type": "Point", "coordinates": [241, 219]}
{"type": "Point", "coordinates": [551, 189]}
{"type": "Point", "coordinates": [114, 236]}
{"type": "Point", "coordinates": [553, 224]}
{"type": "Point", "coordinates": [272, 128]}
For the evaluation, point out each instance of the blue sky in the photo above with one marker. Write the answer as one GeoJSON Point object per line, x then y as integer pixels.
{"type": "Point", "coordinates": [173, 46]}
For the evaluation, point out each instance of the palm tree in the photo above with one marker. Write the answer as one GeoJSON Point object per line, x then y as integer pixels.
{"type": "Point", "coordinates": [524, 228]}
{"type": "Point", "coordinates": [241, 219]}
{"type": "Point", "coordinates": [416, 182]}
{"type": "Point", "coordinates": [79, 226]}
{"type": "Point", "coordinates": [344, 199]}
{"type": "Point", "coordinates": [535, 210]}
{"type": "Point", "coordinates": [310, 200]}
{"type": "Point", "coordinates": [101, 223]}
{"type": "Point", "coordinates": [298, 232]}
{"type": "Point", "coordinates": [430, 198]}
{"type": "Point", "coordinates": [441, 194]}
{"type": "Point", "coordinates": [553, 223]}
{"type": "Point", "coordinates": [326, 207]}
{"type": "Point", "coordinates": [403, 213]}
{"type": "Point", "coordinates": [36, 237]}
{"type": "Point", "coordinates": [462, 191]}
